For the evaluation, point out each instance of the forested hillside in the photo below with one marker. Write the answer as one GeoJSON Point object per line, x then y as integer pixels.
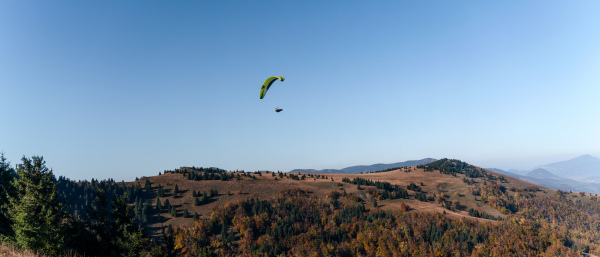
{"type": "Point", "coordinates": [444, 208]}
{"type": "Point", "coordinates": [297, 223]}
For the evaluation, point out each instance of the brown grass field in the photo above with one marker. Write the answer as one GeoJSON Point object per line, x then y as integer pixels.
{"type": "Point", "coordinates": [10, 251]}
{"type": "Point", "coordinates": [266, 187]}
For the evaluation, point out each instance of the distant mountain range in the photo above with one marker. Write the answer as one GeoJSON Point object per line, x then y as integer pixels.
{"type": "Point", "coordinates": [540, 173]}
{"type": "Point", "coordinates": [581, 174]}
{"type": "Point", "coordinates": [584, 168]}
{"type": "Point", "coordinates": [367, 168]}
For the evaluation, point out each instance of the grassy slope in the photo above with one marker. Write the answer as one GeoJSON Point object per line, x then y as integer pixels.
{"type": "Point", "coordinates": [7, 250]}
{"type": "Point", "coordinates": [266, 186]}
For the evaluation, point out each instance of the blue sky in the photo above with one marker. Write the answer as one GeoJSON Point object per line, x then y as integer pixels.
{"type": "Point", "coordinates": [124, 89]}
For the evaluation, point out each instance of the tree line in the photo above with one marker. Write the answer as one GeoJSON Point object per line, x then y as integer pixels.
{"type": "Point", "coordinates": [89, 218]}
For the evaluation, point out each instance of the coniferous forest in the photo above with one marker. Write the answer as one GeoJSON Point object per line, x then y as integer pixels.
{"type": "Point", "coordinates": [58, 216]}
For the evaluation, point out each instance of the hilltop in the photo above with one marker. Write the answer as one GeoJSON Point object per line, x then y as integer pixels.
{"type": "Point", "coordinates": [432, 191]}
{"type": "Point", "coordinates": [441, 207]}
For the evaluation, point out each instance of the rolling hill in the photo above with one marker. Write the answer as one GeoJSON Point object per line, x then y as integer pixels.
{"type": "Point", "coordinates": [451, 187]}
{"type": "Point", "coordinates": [274, 213]}
{"type": "Point", "coordinates": [445, 206]}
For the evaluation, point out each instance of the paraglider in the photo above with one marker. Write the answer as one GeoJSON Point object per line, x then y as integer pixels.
{"type": "Point", "coordinates": [267, 85]}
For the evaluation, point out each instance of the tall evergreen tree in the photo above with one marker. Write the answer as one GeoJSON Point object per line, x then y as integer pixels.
{"type": "Point", "coordinates": [167, 205]}
{"type": "Point", "coordinates": [204, 198]}
{"type": "Point", "coordinates": [148, 186]}
{"type": "Point", "coordinates": [34, 209]}
{"type": "Point", "coordinates": [161, 192]}
{"type": "Point", "coordinates": [98, 223]}
{"type": "Point", "coordinates": [129, 239]}
{"type": "Point", "coordinates": [114, 228]}
{"type": "Point", "coordinates": [158, 206]}
{"type": "Point", "coordinates": [169, 241]}
{"type": "Point", "coordinates": [173, 211]}
{"type": "Point", "coordinates": [7, 174]}
{"type": "Point", "coordinates": [146, 212]}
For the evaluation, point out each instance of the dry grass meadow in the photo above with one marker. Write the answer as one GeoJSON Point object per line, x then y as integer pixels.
{"type": "Point", "coordinates": [267, 186]}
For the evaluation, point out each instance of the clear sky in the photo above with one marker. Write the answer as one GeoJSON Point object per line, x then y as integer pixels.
{"type": "Point", "coordinates": [124, 89]}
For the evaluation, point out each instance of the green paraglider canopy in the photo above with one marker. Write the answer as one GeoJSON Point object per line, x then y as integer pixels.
{"type": "Point", "coordinates": [267, 85]}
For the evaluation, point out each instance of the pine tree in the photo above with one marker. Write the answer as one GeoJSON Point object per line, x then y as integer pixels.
{"type": "Point", "coordinates": [145, 211]}
{"type": "Point", "coordinates": [161, 192]}
{"type": "Point", "coordinates": [169, 230]}
{"type": "Point", "coordinates": [130, 239]}
{"type": "Point", "coordinates": [138, 206]}
{"type": "Point", "coordinates": [169, 241]}
{"type": "Point", "coordinates": [34, 209]}
{"type": "Point", "coordinates": [148, 186]}
{"type": "Point", "coordinates": [175, 191]}
{"type": "Point", "coordinates": [158, 206]}
{"type": "Point", "coordinates": [7, 175]}
{"type": "Point", "coordinates": [98, 223]}
{"type": "Point", "coordinates": [167, 205]}
{"type": "Point", "coordinates": [173, 211]}
{"type": "Point", "coordinates": [204, 198]}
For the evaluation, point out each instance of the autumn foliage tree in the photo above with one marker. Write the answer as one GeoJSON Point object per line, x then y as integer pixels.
{"type": "Point", "coordinates": [297, 223]}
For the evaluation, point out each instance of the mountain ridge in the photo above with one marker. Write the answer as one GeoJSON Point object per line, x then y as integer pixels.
{"type": "Point", "coordinates": [357, 169]}
{"type": "Point", "coordinates": [540, 173]}
{"type": "Point", "coordinates": [580, 168]}
{"type": "Point", "coordinates": [554, 182]}
{"type": "Point", "coordinates": [581, 173]}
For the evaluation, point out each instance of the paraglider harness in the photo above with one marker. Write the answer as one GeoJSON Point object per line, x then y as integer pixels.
{"type": "Point", "coordinates": [278, 110]}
